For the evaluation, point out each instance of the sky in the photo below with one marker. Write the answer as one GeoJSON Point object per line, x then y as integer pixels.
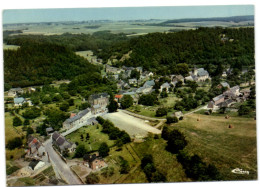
{"type": "Point", "coordinates": [123, 13]}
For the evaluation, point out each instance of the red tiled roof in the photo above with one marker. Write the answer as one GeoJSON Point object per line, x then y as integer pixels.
{"type": "Point", "coordinates": [72, 115]}
{"type": "Point", "coordinates": [35, 140]}
{"type": "Point", "coordinates": [118, 96]}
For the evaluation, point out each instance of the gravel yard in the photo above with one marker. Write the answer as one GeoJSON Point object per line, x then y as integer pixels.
{"type": "Point", "coordinates": [132, 125]}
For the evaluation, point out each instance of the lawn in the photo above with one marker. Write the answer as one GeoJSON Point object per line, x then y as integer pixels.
{"type": "Point", "coordinates": [226, 148]}
{"type": "Point", "coordinates": [96, 137]}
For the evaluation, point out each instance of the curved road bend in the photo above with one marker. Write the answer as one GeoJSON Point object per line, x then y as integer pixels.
{"type": "Point", "coordinates": [63, 169]}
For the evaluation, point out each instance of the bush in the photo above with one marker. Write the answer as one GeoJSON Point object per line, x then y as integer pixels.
{"type": "Point", "coordinates": [17, 121]}
{"type": "Point", "coordinates": [103, 150]}
{"type": "Point", "coordinates": [171, 119]}
{"type": "Point", "coordinates": [165, 133]}
{"type": "Point", "coordinates": [32, 113]}
{"type": "Point", "coordinates": [14, 143]}
{"type": "Point", "coordinates": [124, 165]}
{"type": "Point", "coordinates": [80, 151]}
{"type": "Point", "coordinates": [161, 112]}
{"type": "Point", "coordinates": [92, 178]}
{"type": "Point", "coordinates": [64, 106]}
{"type": "Point", "coordinates": [176, 142]}
{"type": "Point", "coordinates": [126, 101]}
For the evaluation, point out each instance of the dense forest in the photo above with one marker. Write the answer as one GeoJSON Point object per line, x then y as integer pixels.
{"type": "Point", "coordinates": [206, 47]}
{"type": "Point", "coordinates": [43, 58]}
{"type": "Point", "coordinates": [39, 63]}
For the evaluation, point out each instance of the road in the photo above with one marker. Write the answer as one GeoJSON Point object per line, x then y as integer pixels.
{"type": "Point", "coordinates": [203, 107]}
{"type": "Point", "coordinates": [60, 165]}
{"type": "Point", "coordinates": [132, 125]}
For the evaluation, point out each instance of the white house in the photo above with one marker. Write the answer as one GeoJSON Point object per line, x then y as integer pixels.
{"type": "Point", "coordinates": [81, 117]}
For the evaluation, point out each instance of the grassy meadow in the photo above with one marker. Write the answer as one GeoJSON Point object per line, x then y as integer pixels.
{"type": "Point", "coordinates": [226, 148]}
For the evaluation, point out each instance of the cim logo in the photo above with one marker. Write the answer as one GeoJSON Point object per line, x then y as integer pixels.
{"type": "Point", "coordinates": [239, 171]}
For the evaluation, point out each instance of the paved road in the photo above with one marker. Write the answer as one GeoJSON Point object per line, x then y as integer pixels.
{"type": "Point", "coordinates": [132, 125]}
{"type": "Point", "coordinates": [60, 165]}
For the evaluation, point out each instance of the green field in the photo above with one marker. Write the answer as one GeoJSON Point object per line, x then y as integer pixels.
{"type": "Point", "coordinates": [210, 138]}
{"type": "Point", "coordinates": [96, 137]}
{"type": "Point", "coordinates": [226, 148]}
{"type": "Point", "coordinates": [10, 133]}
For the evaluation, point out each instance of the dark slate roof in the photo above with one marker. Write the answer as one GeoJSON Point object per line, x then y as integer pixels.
{"type": "Point", "coordinates": [55, 135]}
{"type": "Point", "coordinates": [149, 83]}
{"type": "Point", "coordinates": [60, 140]}
{"type": "Point", "coordinates": [218, 97]}
{"type": "Point", "coordinates": [33, 163]}
{"type": "Point", "coordinates": [19, 100]}
{"type": "Point", "coordinates": [96, 96]}
{"type": "Point", "coordinates": [78, 116]}
{"type": "Point", "coordinates": [49, 129]}
{"type": "Point", "coordinates": [202, 72]}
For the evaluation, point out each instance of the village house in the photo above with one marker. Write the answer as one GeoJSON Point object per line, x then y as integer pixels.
{"type": "Point", "coordinates": [35, 148]}
{"type": "Point", "coordinates": [36, 164]}
{"type": "Point", "coordinates": [132, 81]}
{"type": "Point", "coordinates": [201, 74]}
{"type": "Point", "coordinates": [177, 78]}
{"type": "Point", "coordinates": [31, 89]}
{"type": "Point", "coordinates": [118, 98]}
{"type": "Point", "coordinates": [218, 99]}
{"type": "Point", "coordinates": [144, 89]}
{"type": "Point", "coordinates": [94, 161]}
{"type": "Point", "coordinates": [224, 85]}
{"type": "Point", "coordinates": [61, 144]}
{"type": "Point", "coordinates": [14, 92]}
{"type": "Point", "coordinates": [150, 83]}
{"type": "Point", "coordinates": [19, 101]}
{"type": "Point", "coordinates": [232, 93]}
{"type": "Point", "coordinates": [178, 114]}
{"type": "Point", "coordinates": [98, 103]}
{"type": "Point", "coordinates": [113, 70]}
{"type": "Point", "coordinates": [74, 120]}
{"type": "Point", "coordinates": [49, 130]}
{"type": "Point", "coordinates": [165, 86]}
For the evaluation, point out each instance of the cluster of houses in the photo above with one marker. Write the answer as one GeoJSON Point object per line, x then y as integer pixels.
{"type": "Point", "coordinates": [98, 104]}
{"type": "Point", "coordinates": [36, 153]}
{"type": "Point", "coordinates": [198, 75]}
{"type": "Point", "coordinates": [17, 100]}
{"type": "Point", "coordinates": [228, 97]}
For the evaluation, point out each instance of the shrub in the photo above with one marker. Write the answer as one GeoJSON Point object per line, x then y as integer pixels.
{"type": "Point", "coordinates": [92, 178]}
{"type": "Point", "coordinates": [161, 112]}
{"type": "Point", "coordinates": [17, 121]}
{"type": "Point", "coordinates": [14, 143]}
{"type": "Point", "coordinates": [103, 149]}
{"type": "Point", "coordinates": [176, 142]}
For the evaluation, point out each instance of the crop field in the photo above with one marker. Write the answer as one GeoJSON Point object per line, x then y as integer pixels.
{"type": "Point", "coordinates": [226, 148]}
{"type": "Point", "coordinates": [96, 137]}
{"type": "Point", "coordinates": [10, 47]}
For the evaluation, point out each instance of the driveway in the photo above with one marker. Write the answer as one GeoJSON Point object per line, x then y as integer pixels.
{"type": "Point", "coordinates": [132, 125]}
